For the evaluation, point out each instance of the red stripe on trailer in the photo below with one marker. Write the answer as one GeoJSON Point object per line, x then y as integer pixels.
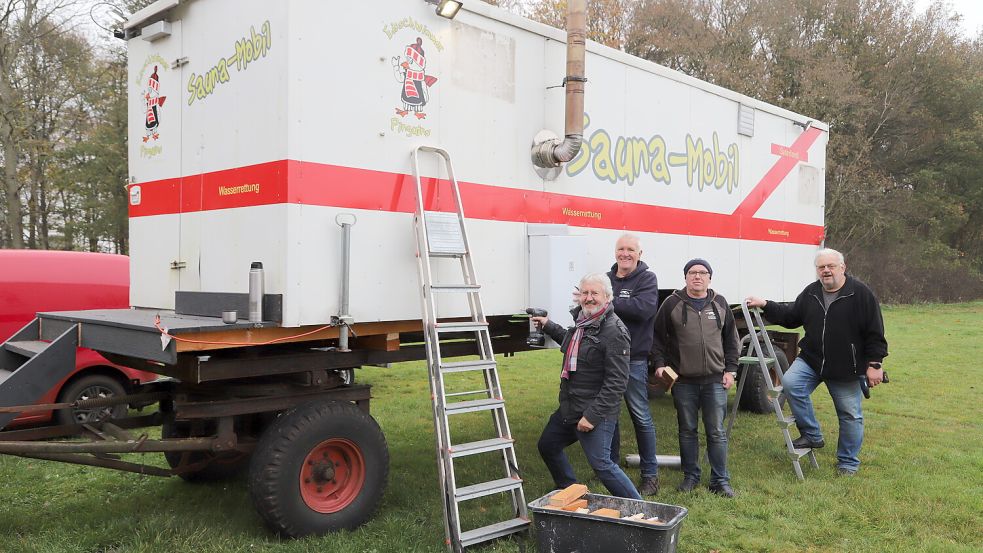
{"type": "Point", "coordinates": [318, 184]}
{"type": "Point", "coordinates": [768, 183]}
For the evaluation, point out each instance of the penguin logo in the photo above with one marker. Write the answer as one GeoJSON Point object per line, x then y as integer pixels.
{"type": "Point", "coordinates": [410, 71]}
{"type": "Point", "coordinates": [153, 102]}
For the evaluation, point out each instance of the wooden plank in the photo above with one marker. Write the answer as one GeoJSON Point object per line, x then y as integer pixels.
{"type": "Point", "coordinates": [567, 495]}
{"type": "Point", "coordinates": [233, 338]}
{"type": "Point", "coordinates": [613, 513]}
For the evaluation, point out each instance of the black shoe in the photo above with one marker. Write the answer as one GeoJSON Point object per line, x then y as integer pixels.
{"type": "Point", "coordinates": [723, 490]}
{"type": "Point", "coordinates": [649, 485]}
{"type": "Point", "coordinates": [687, 485]}
{"type": "Point", "coordinates": [840, 471]}
{"type": "Point", "coordinates": [805, 443]}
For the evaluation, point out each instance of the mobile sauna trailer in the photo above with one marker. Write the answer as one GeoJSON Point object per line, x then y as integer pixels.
{"type": "Point", "coordinates": [281, 133]}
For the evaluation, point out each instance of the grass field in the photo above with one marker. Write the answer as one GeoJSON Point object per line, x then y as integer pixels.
{"type": "Point", "coordinates": [919, 489]}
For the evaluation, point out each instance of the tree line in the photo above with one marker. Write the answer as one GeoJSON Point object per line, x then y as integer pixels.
{"type": "Point", "coordinates": [901, 91]}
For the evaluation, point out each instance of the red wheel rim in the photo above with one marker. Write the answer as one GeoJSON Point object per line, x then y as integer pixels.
{"type": "Point", "coordinates": [332, 475]}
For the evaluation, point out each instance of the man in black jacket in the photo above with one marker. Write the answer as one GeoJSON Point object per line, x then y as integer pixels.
{"type": "Point", "coordinates": [843, 342]}
{"type": "Point", "coordinates": [636, 300]}
{"type": "Point", "coordinates": [593, 379]}
{"type": "Point", "coordinates": [696, 335]}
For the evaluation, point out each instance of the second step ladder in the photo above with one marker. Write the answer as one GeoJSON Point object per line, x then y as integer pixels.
{"type": "Point", "coordinates": [444, 235]}
{"type": "Point", "coordinates": [757, 360]}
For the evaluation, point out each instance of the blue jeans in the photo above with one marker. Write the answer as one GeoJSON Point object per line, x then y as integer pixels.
{"type": "Point", "coordinates": [637, 399]}
{"type": "Point", "coordinates": [689, 400]}
{"type": "Point", "coordinates": [559, 433]}
{"type": "Point", "coordinates": [799, 383]}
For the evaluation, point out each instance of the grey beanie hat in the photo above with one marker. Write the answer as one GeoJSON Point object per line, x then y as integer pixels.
{"type": "Point", "coordinates": [697, 261]}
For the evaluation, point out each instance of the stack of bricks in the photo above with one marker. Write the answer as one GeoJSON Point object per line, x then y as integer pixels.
{"type": "Point", "coordinates": [572, 499]}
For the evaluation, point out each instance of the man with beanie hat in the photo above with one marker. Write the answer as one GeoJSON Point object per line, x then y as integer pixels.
{"type": "Point", "coordinates": [695, 334]}
{"type": "Point", "coordinates": [636, 300]}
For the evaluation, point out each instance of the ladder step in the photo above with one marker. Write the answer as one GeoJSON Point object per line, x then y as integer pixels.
{"type": "Point", "coordinates": [493, 531]}
{"type": "Point", "coordinates": [469, 393]}
{"type": "Point", "coordinates": [482, 489]}
{"type": "Point", "coordinates": [482, 446]}
{"type": "Point", "coordinates": [798, 453]}
{"type": "Point", "coordinates": [786, 423]}
{"type": "Point", "coordinates": [464, 326]}
{"type": "Point", "coordinates": [447, 254]}
{"type": "Point", "coordinates": [27, 348]}
{"type": "Point", "coordinates": [774, 391]}
{"type": "Point", "coordinates": [473, 405]}
{"type": "Point", "coordinates": [461, 366]}
{"type": "Point", "coordinates": [469, 288]}
{"type": "Point", "coordinates": [752, 360]}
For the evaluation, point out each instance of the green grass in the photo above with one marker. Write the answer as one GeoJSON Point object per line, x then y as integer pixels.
{"type": "Point", "coordinates": [919, 488]}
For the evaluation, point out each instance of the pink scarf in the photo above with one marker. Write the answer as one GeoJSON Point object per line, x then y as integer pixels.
{"type": "Point", "coordinates": [573, 349]}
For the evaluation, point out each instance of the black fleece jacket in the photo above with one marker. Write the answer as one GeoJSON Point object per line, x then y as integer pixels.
{"type": "Point", "coordinates": [841, 340]}
{"type": "Point", "coordinates": [595, 390]}
{"type": "Point", "coordinates": [636, 301]}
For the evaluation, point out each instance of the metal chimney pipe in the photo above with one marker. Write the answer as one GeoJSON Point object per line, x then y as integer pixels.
{"type": "Point", "coordinates": [552, 153]}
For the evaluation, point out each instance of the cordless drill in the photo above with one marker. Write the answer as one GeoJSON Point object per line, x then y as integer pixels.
{"type": "Point", "coordinates": [536, 337]}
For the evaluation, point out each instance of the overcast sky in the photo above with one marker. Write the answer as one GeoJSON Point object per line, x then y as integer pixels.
{"type": "Point", "coordinates": [971, 10]}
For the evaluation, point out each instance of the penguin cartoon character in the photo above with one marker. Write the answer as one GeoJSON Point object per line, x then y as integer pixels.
{"type": "Point", "coordinates": [416, 83]}
{"type": "Point", "coordinates": [154, 101]}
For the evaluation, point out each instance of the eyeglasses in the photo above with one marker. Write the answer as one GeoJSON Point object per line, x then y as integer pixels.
{"type": "Point", "coordinates": [698, 273]}
{"type": "Point", "coordinates": [829, 266]}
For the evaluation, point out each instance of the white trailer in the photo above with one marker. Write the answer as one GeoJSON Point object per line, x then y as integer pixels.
{"type": "Point", "coordinates": [260, 131]}
{"type": "Point", "coordinates": [254, 124]}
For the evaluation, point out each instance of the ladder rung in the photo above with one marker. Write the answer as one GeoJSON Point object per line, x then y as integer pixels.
{"type": "Point", "coordinates": [482, 489]}
{"type": "Point", "coordinates": [447, 254]}
{"type": "Point", "coordinates": [752, 360]}
{"type": "Point", "coordinates": [786, 423]}
{"type": "Point", "coordinates": [775, 391]}
{"type": "Point", "coordinates": [469, 288]}
{"type": "Point", "coordinates": [470, 393]}
{"type": "Point", "coordinates": [27, 348]}
{"type": "Point", "coordinates": [464, 326]}
{"type": "Point", "coordinates": [473, 405]}
{"type": "Point", "coordinates": [798, 453]}
{"type": "Point", "coordinates": [460, 366]}
{"type": "Point", "coordinates": [483, 446]}
{"type": "Point", "coordinates": [493, 531]}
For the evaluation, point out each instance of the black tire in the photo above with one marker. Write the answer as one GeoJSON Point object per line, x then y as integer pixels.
{"type": "Point", "coordinates": [754, 397]}
{"type": "Point", "coordinates": [91, 386]}
{"type": "Point", "coordinates": [221, 466]}
{"type": "Point", "coordinates": [296, 492]}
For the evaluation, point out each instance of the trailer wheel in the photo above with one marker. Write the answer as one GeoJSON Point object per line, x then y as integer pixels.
{"type": "Point", "coordinates": [321, 467]}
{"type": "Point", "coordinates": [91, 386]}
{"type": "Point", "coordinates": [754, 397]}
{"type": "Point", "coordinates": [221, 466]}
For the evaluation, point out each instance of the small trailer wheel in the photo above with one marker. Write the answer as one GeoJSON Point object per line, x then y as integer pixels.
{"type": "Point", "coordinates": [321, 467]}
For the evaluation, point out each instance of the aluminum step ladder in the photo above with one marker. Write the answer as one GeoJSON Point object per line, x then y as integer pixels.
{"type": "Point", "coordinates": [757, 359]}
{"type": "Point", "coordinates": [444, 235]}
{"type": "Point", "coordinates": [30, 367]}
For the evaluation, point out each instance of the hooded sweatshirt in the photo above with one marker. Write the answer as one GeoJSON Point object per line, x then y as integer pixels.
{"type": "Point", "coordinates": [636, 301]}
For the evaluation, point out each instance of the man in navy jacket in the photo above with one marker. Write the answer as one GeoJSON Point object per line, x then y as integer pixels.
{"type": "Point", "coordinates": [636, 301]}
{"type": "Point", "coordinates": [844, 342]}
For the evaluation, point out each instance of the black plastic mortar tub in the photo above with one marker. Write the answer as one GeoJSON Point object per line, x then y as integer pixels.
{"type": "Point", "coordinates": [559, 531]}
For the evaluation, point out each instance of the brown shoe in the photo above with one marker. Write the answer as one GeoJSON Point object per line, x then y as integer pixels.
{"type": "Point", "coordinates": [649, 486]}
